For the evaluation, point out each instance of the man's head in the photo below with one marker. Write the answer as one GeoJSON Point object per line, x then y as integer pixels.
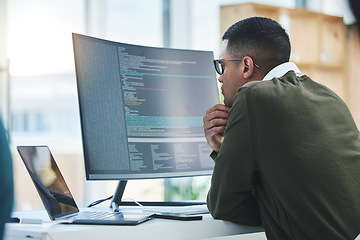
{"type": "Point", "coordinates": [260, 43]}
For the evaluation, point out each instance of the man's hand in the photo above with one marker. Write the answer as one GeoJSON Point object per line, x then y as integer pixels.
{"type": "Point", "coordinates": [215, 122]}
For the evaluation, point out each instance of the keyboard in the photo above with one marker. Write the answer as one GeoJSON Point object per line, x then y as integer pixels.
{"type": "Point", "coordinates": [91, 215]}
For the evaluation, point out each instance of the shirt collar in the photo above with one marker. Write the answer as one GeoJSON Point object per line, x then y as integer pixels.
{"type": "Point", "coordinates": [281, 69]}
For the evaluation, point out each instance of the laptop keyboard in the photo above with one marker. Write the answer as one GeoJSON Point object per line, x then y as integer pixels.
{"type": "Point", "coordinates": [95, 215]}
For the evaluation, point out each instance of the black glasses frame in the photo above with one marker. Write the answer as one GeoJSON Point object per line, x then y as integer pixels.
{"type": "Point", "coordinates": [219, 68]}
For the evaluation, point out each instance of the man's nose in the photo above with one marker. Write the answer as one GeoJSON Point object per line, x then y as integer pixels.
{"type": "Point", "coordinates": [220, 78]}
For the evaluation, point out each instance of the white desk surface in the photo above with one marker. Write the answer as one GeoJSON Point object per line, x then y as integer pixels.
{"type": "Point", "coordinates": [158, 229]}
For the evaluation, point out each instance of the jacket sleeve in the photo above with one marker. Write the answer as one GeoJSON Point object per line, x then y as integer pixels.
{"type": "Point", "coordinates": [231, 195]}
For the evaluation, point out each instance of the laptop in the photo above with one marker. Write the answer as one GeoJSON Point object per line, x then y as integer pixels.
{"type": "Point", "coordinates": [57, 198]}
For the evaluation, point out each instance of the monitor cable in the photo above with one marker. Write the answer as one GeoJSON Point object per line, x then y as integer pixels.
{"type": "Point", "coordinates": [99, 201]}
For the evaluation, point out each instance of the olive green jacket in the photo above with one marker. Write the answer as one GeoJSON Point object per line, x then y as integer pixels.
{"type": "Point", "coordinates": [290, 161]}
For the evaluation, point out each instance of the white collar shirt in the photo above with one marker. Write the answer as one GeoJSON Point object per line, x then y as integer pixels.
{"type": "Point", "coordinates": [281, 70]}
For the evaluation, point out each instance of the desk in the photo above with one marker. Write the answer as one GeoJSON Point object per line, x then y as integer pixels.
{"type": "Point", "coordinates": [158, 229]}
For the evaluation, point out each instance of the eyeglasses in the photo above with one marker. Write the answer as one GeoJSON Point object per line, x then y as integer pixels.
{"type": "Point", "coordinates": [220, 69]}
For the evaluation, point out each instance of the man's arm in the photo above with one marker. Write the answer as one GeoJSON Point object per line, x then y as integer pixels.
{"type": "Point", "coordinates": [231, 196]}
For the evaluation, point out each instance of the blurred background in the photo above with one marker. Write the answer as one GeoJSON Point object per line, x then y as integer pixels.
{"type": "Point", "coordinates": [38, 96]}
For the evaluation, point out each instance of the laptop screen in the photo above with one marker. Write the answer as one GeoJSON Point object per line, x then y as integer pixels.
{"type": "Point", "coordinates": [48, 180]}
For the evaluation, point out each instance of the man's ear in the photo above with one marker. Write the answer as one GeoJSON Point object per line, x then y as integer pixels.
{"type": "Point", "coordinates": [248, 69]}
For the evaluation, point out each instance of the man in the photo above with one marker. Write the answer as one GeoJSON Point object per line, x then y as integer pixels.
{"type": "Point", "coordinates": [286, 149]}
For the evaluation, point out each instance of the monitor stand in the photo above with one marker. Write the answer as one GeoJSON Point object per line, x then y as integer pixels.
{"type": "Point", "coordinates": [118, 193]}
{"type": "Point", "coordinates": [116, 200]}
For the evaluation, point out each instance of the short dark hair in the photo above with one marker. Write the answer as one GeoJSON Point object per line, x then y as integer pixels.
{"type": "Point", "coordinates": [355, 6]}
{"type": "Point", "coordinates": [263, 39]}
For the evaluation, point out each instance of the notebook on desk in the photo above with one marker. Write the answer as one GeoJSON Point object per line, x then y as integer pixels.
{"type": "Point", "coordinates": [57, 198]}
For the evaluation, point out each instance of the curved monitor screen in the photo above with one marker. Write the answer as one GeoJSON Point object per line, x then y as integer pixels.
{"type": "Point", "coordinates": [141, 109]}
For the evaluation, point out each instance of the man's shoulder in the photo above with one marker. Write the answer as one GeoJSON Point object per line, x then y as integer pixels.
{"type": "Point", "coordinates": [286, 89]}
{"type": "Point", "coordinates": [288, 81]}
{"type": "Point", "coordinates": [288, 86]}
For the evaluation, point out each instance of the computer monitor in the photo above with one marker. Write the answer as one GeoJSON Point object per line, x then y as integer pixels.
{"type": "Point", "coordinates": [141, 109]}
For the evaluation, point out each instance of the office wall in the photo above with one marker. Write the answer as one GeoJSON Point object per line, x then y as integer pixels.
{"type": "Point", "coordinates": [352, 63]}
{"type": "Point", "coordinates": [4, 66]}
